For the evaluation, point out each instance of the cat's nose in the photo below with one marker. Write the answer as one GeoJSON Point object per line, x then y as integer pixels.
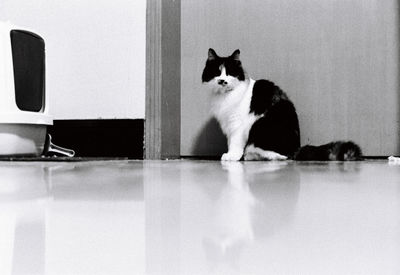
{"type": "Point", "coordinates": [222, 82]}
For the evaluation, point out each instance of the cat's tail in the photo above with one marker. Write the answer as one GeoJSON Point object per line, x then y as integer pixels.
{"type": "Point", "coordinates": [337, 150]}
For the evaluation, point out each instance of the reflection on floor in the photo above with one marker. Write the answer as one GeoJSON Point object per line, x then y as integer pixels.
{"type": "Point", "coordinates": [199, 217]}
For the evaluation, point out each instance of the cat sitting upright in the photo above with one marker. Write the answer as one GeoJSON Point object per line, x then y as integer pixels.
{"type": "Point", "coordinates": [258, 119]}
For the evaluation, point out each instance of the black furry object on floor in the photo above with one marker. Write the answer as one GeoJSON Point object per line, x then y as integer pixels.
{"type": "Point", "coordinates": [338, 150]}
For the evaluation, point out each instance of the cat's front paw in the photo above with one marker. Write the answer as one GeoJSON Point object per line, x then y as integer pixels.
{"type": "Point", "coordinates": [232, 156]}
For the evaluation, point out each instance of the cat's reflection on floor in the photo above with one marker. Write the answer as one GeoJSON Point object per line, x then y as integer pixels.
{"type": "Point", "coordinates": [247, 210]}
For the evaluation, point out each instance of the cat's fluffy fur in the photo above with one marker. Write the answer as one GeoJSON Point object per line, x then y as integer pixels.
{"type": "Point", "coordinates": [257, 117]}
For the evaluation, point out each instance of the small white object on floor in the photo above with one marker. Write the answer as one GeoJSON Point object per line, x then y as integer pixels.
{"type": "Point", "coordinates": [394, 160]}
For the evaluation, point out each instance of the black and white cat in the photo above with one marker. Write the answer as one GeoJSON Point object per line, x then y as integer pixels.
{"type": "Point", "coordinates": [258, 119]}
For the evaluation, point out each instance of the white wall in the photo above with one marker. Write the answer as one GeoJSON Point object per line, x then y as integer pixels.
{"type": "Point", "coordinates": [95, 54]}
{"type": "Point", "coordinates": [338, 60]}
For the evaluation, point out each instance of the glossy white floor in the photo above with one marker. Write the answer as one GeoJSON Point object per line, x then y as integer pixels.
{"type": "Point", "coordinates": [199, 217]}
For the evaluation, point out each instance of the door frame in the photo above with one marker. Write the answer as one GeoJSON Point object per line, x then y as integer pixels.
{"type": "Point", "coordinates": [163, 79]}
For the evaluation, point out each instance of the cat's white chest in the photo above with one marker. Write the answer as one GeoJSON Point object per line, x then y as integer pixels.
{"type": "Point", "coordinates": [232, 109]}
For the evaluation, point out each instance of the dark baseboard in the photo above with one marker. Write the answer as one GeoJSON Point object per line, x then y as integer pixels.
{"type": "Point", "coordinates": [115, 138]}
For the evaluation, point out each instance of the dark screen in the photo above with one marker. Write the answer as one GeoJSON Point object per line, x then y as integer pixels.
{"type": "Point", "coordinates": [29, 70]}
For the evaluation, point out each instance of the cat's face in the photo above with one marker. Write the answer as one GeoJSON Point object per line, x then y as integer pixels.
{"type": "Point", "coordinates": [223, 74]}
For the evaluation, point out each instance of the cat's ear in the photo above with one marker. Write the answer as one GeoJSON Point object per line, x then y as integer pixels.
{"type": "Point", "coordinates": [212, 55]}
{"type": "Point", "coordinates": [236, 55]}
